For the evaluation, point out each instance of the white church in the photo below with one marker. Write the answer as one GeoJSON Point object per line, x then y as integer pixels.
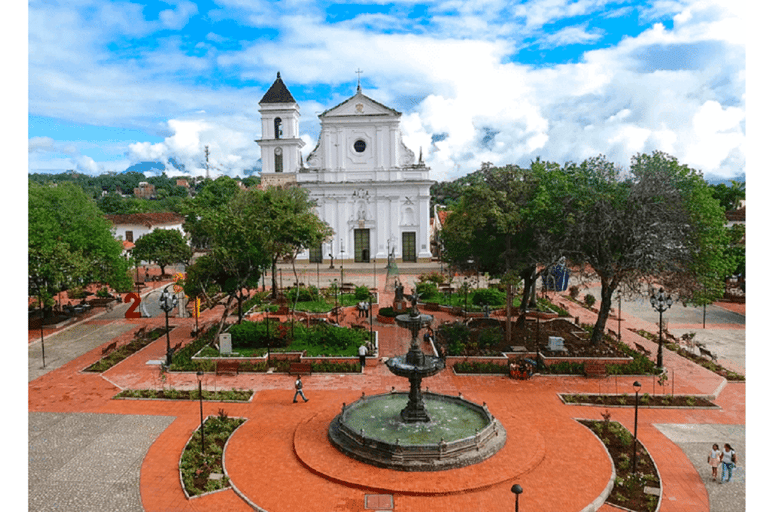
{"type": "Point", "coordinates": [367, 185]}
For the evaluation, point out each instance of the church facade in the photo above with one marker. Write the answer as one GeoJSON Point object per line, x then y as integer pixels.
{"type": "Point", "coordinates": [368, 186]}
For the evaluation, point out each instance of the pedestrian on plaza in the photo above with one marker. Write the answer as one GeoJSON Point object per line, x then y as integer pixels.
{"type": "Point", "coordinates": [714, 460]}
{"type": "Point", "coordinates": [728, 458]}
{"type": "Point", "coordinates": [362, 351]}
{"type": "Point", "coordinates": [299, 390]}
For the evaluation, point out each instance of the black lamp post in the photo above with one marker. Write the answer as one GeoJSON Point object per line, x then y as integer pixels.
{"type": "Point", "coordinates": [637, 387]}
{"type": "Point", "coordinates": [619, 315]}
{"type": "Point", "coordinates": [167, 303]}
{"type": "Point", "coordinates": [517, 490]}
{"type": "Point", "coordinates": [661, 302]}
{"type": "Point", "coordinates": [336, 300]}
{"type": "Point", "coordinates": [200, 394]}
{"type": "Point", "coordinates": [370, 313]}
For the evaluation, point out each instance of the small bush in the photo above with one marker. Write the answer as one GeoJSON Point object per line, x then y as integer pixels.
{"type": "Point", "coordinates": [387, 312]}
{"type": "Point", "coordinates": [489, 296]}
{"type": "Point", "coordinates": [426, 290]}
{"type": "Point", "coordinates": [573, 291]}
{"type": "Point", "coordinates": [362, 293]}
{"type": "Point", "coordinates": [589, 300]}
{"type": "Point", "coordinates": [304, 293]}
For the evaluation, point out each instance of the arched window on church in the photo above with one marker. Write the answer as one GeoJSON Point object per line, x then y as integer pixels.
{"type": "Point", "coordinates": [278, 160]}
{"type": "Point", "coordinates": [278, 128]}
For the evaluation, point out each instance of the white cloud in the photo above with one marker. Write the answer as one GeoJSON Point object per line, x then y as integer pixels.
{"type": "Point", "coordinates": [176, 18]}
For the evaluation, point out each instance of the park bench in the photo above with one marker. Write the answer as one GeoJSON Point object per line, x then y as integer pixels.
{"type": "Point", "coordinates": [227, 367]}
{"type": "Point", "coordinates": [300, 368]}
{"type": "Point", "coordinates": [643, 350]}
{"type": "Point", "coordinates": [705, 352]}
{"type": "Point", "coordinates": [109, 348]}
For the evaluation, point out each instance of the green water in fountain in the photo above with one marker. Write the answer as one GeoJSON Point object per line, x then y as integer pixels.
{"type": "Point", "coordinates": [380, 418]}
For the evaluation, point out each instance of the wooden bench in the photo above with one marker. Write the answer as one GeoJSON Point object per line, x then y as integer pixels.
{"type": "Point", "coordinates": [109, 348]}
{"type": "Point", "coordinates": [227, 367]}
{"type": "Point", "coordinates": [300, 369]}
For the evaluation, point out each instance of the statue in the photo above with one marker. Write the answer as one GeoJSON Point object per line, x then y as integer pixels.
{"type": "Point", "coordinates": [398, 291]}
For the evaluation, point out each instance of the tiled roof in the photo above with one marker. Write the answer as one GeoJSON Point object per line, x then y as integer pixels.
{"type": "Point", "coordinates": [739, 215]}
{"type": "Point", "coordinates": [146, 219]}
{"type": "Point", "coordinates": [442, 214]}
{"type": "Point", "coordinates": [127, 246]}
{"type": "Point", "coordinates": [278, 93]}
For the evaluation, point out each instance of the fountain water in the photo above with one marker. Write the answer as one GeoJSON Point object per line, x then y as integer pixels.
{"type": "Point", "coordinates": [432, 432]}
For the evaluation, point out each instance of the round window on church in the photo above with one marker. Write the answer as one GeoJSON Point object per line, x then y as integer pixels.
{"type": "Point", "coordinates": [359, 146]}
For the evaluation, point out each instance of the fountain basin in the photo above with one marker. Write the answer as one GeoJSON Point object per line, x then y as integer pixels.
{"type": "Point", "coordinates": [461, 433]}
{"type": "Point", "coordinates": [402, 368]}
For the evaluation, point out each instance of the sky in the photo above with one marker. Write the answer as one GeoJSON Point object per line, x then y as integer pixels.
{"type": "Point", "coordinates": [112, 84]}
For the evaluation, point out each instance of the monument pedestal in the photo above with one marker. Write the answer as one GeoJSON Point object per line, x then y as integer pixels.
{"type": "Point", "coordinates": [400, 306]}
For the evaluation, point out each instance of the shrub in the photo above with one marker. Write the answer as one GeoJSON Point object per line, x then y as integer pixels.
{"type": "Point", "coordinates": [573, 291]}
{"type": "Point", "coordinates": [103, 293]}
{"type": "Point", "coordinates": [480, 367]}
{"type": "Point", "coordinates": [426, 290]}
{"type": "Point", "coordinates": [362, 293]}
{"type": "Point", "coordinates": [455, 336]}
{"type": "Point", "coordinates": [433, 277]}
{"type": "Point", "coordinates": [489, 296]}
{"type": "Point", "coordinates": [589, 300]}
{"type": "Point", "coordinates": [387, 312]}
{"type": "Point", "coordinates": [489, 337]}
{"type": "Point", "coordinates": [566, 368]}
{"type": "Point", "coordinates": [304, 293]}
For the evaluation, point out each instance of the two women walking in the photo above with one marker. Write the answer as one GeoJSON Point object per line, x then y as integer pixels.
{"type": "Point", "coordinates": [726, 458]}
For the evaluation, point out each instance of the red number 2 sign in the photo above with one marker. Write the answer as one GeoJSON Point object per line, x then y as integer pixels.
{"type": "Point", "coordinates": [132, 313]}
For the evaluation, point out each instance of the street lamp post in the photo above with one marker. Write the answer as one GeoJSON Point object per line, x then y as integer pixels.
{"type": "Point", "coordinates": [336, 300]}
{"type": "Point", "coordinates": [637, 386]}
{"type": "Point", "coordinates": [200, 394]}
{"type": "Point", "coordinates": [619, 315]}
{"type": "Point", "coordinates": [517, 490]}
{"type": "Point", "coordinates": [661, 302]}
{"type": "Point", "coordinates": [167, 303]}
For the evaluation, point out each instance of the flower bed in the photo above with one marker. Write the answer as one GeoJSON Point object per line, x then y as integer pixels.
{"type": "Point", "coordinates": [233, 395]}
{"type": "Point", "coordinates": [645, 400]}
{"type": "Point", "coordinates": [629, 489]}
{"type": "Point", "coordinates": [474, 367]}
{"type": "Point", "coordinates": [198, 470]}
{"type": "Point", "coordinates": [121, 353]}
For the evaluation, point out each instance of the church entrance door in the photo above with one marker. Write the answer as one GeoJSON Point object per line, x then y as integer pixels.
{"type": "Point", "coordinates": [409, 246]}
{"type": "Point", "coordinates": [362, 246]}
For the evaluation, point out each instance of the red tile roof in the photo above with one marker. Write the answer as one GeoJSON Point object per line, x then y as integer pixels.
{"type": "Point", "coordinates": [146, 219]}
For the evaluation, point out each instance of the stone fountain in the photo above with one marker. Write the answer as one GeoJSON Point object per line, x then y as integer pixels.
{"type": "Point", "coordinates": [432, 432]}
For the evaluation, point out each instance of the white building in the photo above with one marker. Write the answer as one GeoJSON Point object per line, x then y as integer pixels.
{"type": "Point", "coordinates": [367, 184]}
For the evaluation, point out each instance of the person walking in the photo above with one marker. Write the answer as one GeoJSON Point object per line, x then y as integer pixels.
{"type": "Point", "coordinates": [362, 351]}
{"type": "Point", "coordinates": [728, 458]}
{"type": "Point", "coordinates": [714, 460]}
{"type": "Point", "coordinates": [299, 391]}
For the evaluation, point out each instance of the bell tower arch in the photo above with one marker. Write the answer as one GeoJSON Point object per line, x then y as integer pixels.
{"type": "Point", "coordinates": [280, 142]}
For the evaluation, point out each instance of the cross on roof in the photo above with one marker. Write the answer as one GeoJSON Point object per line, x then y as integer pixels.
{"type": "Point", "coordinates": [359, 72]}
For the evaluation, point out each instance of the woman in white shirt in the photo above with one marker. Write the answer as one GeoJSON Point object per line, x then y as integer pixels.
{"type": "Point", "coordinates": [728, 458]}
{"type": "Point", "coordinates": [714, 460]}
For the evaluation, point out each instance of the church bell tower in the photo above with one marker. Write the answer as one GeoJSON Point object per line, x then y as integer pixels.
{"type": "Point", "coordinates": [280, 142]}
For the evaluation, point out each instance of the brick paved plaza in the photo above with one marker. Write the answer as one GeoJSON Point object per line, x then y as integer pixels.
{"type": "Point", "coordinates": [88, 452]}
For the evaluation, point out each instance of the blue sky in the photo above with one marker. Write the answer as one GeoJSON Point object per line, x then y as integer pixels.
{"type": "Point", "coordinates": [114, 83]}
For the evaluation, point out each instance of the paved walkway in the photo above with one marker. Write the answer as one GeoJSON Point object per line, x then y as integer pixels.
{"type": "Point", "coordinates": [268, 457]}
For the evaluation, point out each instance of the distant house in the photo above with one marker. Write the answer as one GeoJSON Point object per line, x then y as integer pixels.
{"type": "Point", "coordinates": [132, 226]}
{"type": "Point", "coordinates": [144, 191]}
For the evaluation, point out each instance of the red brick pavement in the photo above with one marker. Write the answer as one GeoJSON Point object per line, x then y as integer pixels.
{"type": "Point", "coordinates": [264, 458]}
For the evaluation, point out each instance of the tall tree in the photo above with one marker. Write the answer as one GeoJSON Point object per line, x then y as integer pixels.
{"type": "Point", "coordinates": [70, 242]}
{"type": "Point", "coordinates": [163, 247]}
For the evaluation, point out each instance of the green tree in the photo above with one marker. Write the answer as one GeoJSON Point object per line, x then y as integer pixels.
{"type": "Point", "coordinates": [729, 196]}
{"type": "Point", "coordinates": [70, 242]}
{"type": "Point", "coordinates": [163, 247]}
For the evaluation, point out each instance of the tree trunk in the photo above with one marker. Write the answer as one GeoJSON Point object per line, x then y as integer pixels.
{"type": "Point", "coordinates": [606, 292]}
{"type": "Point", "coordinates": [223, 318]}
{"type": "Point", "coordinates": [510, 297]}
{"type": "Point", "coordinates": [274, 278]}
{"type": "Point", "coordinates": [528, 299]}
